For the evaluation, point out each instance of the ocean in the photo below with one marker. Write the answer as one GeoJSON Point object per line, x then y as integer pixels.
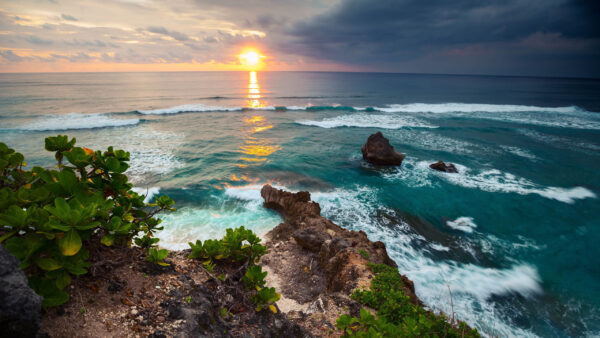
{"type": "Point", "coordinates": [511, 241]}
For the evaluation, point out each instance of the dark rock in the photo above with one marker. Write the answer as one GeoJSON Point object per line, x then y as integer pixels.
{"type": "Point", "coordinates": [20, 306]}
{"type": "Point", "coordinates": [290, 205]}
{"type": "Point", "coordinates": [442, 166]}
{"type": "Point", "coordinates": [310, 239]}
{"type": "Point", "coordinates": [377, 150]}
{"type": "Point", "coordinates": [200, 317]}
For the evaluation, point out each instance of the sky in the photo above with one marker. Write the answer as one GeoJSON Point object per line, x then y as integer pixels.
{"type": "Point", "coordinates": [508, 37]}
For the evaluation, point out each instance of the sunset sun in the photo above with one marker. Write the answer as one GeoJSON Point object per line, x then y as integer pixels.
{"type": "Point", "coordinates": [250, 58]}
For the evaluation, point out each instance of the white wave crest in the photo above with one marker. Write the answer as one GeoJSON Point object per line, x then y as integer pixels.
{"type": "Point", "coordinates": [369, 121]}
{"type": "Point", "coordinates": [187, 108]}
{"type": "Point", "coordinates": [465, 224]}
{"type": "Point", "coordinates": [76, 121]}
{"type": "Point", "coordinates": [492, 180]}
{"type": "Point", "coordinates": [149, 193]}
{"type": "Point", "coordinates": [497, 181]}
{"type": "Point", "coordinates": [470, 108]}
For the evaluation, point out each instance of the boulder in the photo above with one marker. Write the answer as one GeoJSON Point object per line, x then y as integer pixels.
{"type": "Point", "coordinates": [20, 306]}
{"type": "Point", "coordinates": [442, 166]}
{"type": "Point", "coordinates": [378, 150]}
{"type": "Point", "coordinates": [290, 205]}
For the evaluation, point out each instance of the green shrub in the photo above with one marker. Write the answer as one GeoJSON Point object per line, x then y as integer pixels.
{"type": "Point", "coordinates": [396, 315]}
{"type": "Point", "coordinates": [157, 256]}
{"type": "Point", "coordinates": [240, 246]}
{"type": "Point", "coordinates": [49, 217]}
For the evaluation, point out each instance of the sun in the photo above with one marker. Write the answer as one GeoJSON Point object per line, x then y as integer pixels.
{"type": "Point", "coordinates": [250, 58]}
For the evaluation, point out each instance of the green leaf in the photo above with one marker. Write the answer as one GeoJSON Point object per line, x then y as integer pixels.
{"type": "Point", "coordinates": [107, 240]}
{"type": "Point", "coordinates": [70, 243]}
{"type": "Point", "coordinates": [48, 264]}
{"type": "Point", "coordinates": [14, 216]}
{"type": "Point", "coordinates": [53, 296]}
{"type": "Point", "coordinates": [63, 280]}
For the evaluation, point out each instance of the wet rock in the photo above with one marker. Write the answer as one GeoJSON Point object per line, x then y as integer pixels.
{"type": "Point", "coordinates": [378, 150]}
{"type": "Point", "coordinates": [290, 205]}
{"type": "Point", "coordinates": [20, 306]}
{"type": "Point", "coordinates": [442, 166]}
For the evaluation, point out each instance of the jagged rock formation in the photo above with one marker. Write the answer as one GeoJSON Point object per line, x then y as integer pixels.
{"type": "Point", "coordinates": [20, 306]}
{"type": "Point", "coordinates": [378, 150]}
{"type": "Point", "coordinates": [316, 264]}
{"type": "Point", "coordinates": [442, 166]}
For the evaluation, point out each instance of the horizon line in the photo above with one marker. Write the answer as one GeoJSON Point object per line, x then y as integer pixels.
{"type": "Point", "coordinates": [308, 71]}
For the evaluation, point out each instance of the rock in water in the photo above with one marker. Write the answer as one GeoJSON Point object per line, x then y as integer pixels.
{"type": "Point", "coordinates": [20, 306]}
{"type": "Point", "coordinates": [442, 166]}
{"type": "Point", "coordinates": [378, 150]}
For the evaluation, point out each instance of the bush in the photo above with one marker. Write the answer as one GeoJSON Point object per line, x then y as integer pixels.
{"type": "Point", "coordinates": [50, 218]}
{"type": "Point", "coordinates": [243, 247]}
{"type": "Point", "coordinates": [396, 315]}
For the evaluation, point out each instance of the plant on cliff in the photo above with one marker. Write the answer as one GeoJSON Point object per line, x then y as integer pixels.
{"type": "Point", "coordinates": [49, 219]}
{"type": "Point", "coordinates": [396, 315]}
{"type": "Point", "coordinates": [239, 246]}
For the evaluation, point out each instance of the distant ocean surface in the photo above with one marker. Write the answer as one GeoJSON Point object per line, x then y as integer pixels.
{"type": "Point", "coordinates": [515, 235]}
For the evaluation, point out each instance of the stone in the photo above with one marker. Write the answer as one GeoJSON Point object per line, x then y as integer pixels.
{"type": "Point", "coordinates": [20, 306]}
{"type": "Point", "coordinates": [310, 239]}
{"type": "Point", "coordinates": [378, 150]}
{"type": "Point", "coordinates": [445, 167]}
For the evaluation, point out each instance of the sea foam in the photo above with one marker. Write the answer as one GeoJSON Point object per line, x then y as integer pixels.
{"type": "Point", "coordinates": [369, 121]}
{"type": "Point", "coordinates": [492, 180]}
{"type": "Point", "coordinates": [471, 108]}
{"type": "Point", "coordinates": [76, 121]}
{"type": "Point", "coordinates": [464, 224]}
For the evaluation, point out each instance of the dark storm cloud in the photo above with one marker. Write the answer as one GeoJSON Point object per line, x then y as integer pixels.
{"type": "Point", "coordinates": [392, 32]}
{"type": "Point", "coordinates": [162, 30]}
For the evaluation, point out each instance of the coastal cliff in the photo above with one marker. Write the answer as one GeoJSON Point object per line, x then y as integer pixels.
{"type": "Point", "coordinates": [317, 264]}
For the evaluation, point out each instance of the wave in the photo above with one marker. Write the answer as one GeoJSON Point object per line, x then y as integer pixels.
{"type": "Point", "coordinates": [441, 108]}
{"type": "Point", "coordinates": [75, 121]}
{"type": "Point", "coordinates": [558, 117]}
{"type": "Point", "coordinates": [464, 224]}
{"type": "Point", "coordinates": [188, 108]}
{"type": "Point", "coordinates": [190, 224]}
{"type": "Point", "coordinates": [492, 180]}
{"type": "Point", "coordinates": [369, 121]}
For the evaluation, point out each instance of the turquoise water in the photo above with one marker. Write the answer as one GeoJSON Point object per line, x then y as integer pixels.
{"type": "Point", "coordinates": [514, 235]}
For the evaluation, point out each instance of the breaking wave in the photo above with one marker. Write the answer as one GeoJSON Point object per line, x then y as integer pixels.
{"type": "Point", "coordinates": [369, 121]}
{"type": "Point", "coordinates": [75, 121]}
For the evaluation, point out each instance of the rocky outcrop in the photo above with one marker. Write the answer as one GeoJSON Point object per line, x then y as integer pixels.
{"type": "Point", "coordinates": [442, 166]}
{"type": "Point", "coordinates": [378, 150]}
{"type": "Point", "coordinates": [315, 264]}
{"type": "Point", "coordinates": [20, 306]}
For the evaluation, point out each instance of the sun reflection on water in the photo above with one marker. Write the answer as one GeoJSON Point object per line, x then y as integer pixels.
{"type": "Point", "coordinates": [256, 148]}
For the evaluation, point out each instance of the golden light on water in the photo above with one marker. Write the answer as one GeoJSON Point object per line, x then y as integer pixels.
{"type": "Point", "coordinates": [254, 92]}
{"type": "Point", "coordinates": [256, 148]}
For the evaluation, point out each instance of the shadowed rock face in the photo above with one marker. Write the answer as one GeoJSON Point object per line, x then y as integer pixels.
{"type": "Point", "coordinates": [442, 166]}
{"type": "Point", "coordinates": [378, 150]}
{"type": "Point", "coordinates": [317, 263]}
{"type": "Point", "coordinates": [20, 306]}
